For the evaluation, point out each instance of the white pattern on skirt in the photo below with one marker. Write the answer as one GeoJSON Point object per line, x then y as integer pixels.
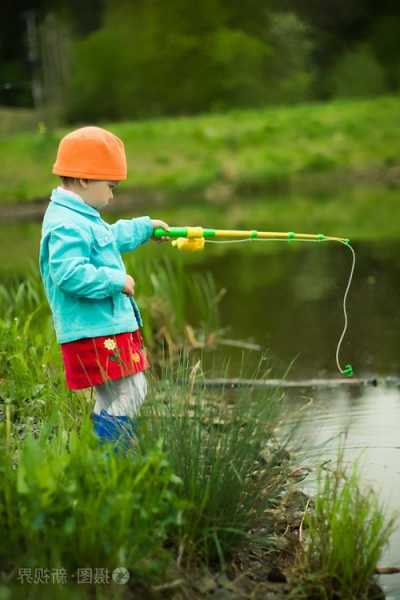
{"type": "Point", "coordinates": [121, 397]}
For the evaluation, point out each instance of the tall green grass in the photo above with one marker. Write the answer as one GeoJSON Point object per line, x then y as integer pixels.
{"type": "Point", "coordinates": [346, 532]}
{"type": "Point", "coordinates": [216, 452]}
{"type": "Point", "coordinates": [170, 301]}
{"type": "Point", "coordinates": [179, 308]}
{"type": "Point", "coordinates": [231, 461]}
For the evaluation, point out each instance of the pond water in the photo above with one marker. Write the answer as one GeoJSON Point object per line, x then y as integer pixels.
{"type": "Point", "coordinates": [287, 298]}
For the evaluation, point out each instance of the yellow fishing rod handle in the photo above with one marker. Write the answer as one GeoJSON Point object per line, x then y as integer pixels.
{"type": "Point", "coordinates": [265, 235]}
{"type": "Point", "coordinates": [277, 235]}
{"type": "Point", "coordinates": [251, 234]}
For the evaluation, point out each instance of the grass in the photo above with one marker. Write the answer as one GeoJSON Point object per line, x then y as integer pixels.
{"type": "Point", "coordinates": [346, 533]}
{"type": "Point", "coordinates": [221, 155]}
{"type": "Point", "coordinates": [227, 455]}
{"type": "Point", "coordinates": [17, 120]}
{"type": "Point", "coordinates": [190, 493]}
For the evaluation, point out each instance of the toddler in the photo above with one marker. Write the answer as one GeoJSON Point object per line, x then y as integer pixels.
{"type": "Point", "coordinates": [96, 319]}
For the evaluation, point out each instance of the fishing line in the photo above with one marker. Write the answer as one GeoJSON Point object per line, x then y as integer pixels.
{"type": "Point", "coordinates": [347, 370]}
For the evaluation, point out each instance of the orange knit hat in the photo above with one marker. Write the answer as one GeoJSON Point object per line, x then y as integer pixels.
{"type": "Point", "coordinates": [91, 153]}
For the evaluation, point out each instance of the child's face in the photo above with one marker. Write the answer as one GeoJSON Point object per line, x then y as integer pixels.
{"type": "Point", "coordinates": [97, 193]}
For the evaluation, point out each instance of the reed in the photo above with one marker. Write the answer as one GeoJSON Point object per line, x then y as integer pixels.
{"type": "Point", "coordinates": [346, 533]}
{"type": "Point", "coordinates": [229, 456]}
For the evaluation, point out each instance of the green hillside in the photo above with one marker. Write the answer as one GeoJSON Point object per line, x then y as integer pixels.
{"type": "Point", "coordinates": [220, 155]}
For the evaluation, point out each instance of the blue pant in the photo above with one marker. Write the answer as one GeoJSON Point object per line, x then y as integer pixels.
{"type": "Point", "coordinates": [117, 405]}
{"type": "Point", "coordinates": [119, 430]}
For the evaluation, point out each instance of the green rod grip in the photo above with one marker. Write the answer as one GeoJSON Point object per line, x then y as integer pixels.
{"type": "Point", "coordinates": [173, 232]}
{"type": "Point", "coordinates": [177, 232]}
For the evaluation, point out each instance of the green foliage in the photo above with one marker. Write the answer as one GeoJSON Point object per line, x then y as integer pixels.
{"type": "Point", "coordinates": [291, 74]}
{"type": "Point", "coordinates": [147, 60]}
{"type": "Point", "coordinates": [346, 533]}
{"type": "Point", "coordinates": [237, 69]}
{"type": "Point", "coordinates": [204, 473]}
{"type": "Point", "coordinates": [30, 366]}
{"type": "Point", "coordinates": [14, 120]}
{"type": "Point", "coordinates": [31, 372]}
{"type": "Point", "coordinates": [65, 502]}
{"type": "Point", "coordinates": [358, 74]}
{"type": "Point", "coordinates": [385, 41]}
{"type": "Point", "coordinates": [91, 93]}
{"type": "Point", "coordinates": [230, 457]}
{"type": "Point", "coordinates": [158, 54]}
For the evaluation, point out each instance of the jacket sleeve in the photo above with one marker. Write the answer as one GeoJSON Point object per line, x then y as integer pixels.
{"type": "Point", "coordinates": [131, 233]}
{"type": "Point", "coordinates": [70, 269]}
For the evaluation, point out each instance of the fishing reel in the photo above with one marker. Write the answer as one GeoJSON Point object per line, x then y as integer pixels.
{"type": "Point", "coordinates": [189, 244]}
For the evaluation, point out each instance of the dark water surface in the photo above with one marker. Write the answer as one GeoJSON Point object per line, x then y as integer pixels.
{"type": "Point", "coordinates": [287, 298]}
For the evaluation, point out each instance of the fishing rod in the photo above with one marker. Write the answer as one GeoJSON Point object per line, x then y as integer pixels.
{"type": "Point", "coordinates": [193, 239]}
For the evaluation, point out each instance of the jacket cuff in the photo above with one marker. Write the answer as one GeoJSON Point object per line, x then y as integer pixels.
{"type": "Point", "coordinates": [148, 226]}
{"type": "Point", "coordinates": [117, 281]}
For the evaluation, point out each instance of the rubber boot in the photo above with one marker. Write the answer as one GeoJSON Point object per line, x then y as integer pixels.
{"type": "Point", "coordinates": [120, 431]}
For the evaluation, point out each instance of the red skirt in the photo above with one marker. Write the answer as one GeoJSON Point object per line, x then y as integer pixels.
{"type": "Point", "coordinates": [92, 361]}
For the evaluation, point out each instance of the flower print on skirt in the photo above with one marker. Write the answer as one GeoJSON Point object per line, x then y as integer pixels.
{"type": "Point", "coordinates": [93, 361]}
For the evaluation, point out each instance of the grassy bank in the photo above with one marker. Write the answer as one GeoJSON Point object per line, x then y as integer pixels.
{"type": "Point", "coordinates": [221, 155]}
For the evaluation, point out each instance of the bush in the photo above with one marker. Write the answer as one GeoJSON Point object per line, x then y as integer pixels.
{"type": "Point", "coordinates": [358, 74]}
{"type": "Point", "coordinates": [149, 60]}
{"type": "Point", "coordinates": [289, 76]}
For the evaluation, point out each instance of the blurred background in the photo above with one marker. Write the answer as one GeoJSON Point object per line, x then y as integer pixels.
{"type": "Point", "coordinates": [118, 60]}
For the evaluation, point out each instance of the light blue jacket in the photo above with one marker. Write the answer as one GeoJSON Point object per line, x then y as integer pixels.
{"type": "Point", "coordinates": [82, 269]}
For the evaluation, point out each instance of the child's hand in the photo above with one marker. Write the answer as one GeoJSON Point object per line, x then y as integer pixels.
{"type": "Point", "coordinates": [129, 288]}
{"type": "Point", "coordinates": [157, 223]}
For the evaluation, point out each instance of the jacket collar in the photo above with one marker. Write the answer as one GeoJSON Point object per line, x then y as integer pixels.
{"type": "Point", "coordinates": [71, 200]}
